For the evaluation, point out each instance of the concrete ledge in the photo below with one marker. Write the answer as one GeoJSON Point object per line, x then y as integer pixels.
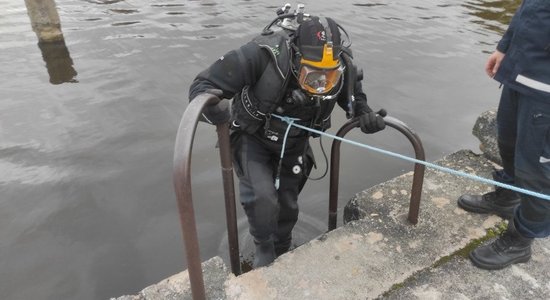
{"type": "Point", "coordinates": [459, 279]}
{"type": "Point", "coordinates": [179, 287]}
{"type": "Point", "coordinates": [369, 257]}
{"type": "Point", "coordinates": [379, 254]}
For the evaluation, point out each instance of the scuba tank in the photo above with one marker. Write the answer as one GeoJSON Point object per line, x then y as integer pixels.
{"type": "Point", "coordinates": [287, 20]}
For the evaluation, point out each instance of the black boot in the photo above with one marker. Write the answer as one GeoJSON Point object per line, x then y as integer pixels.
{"type": "Point", "coordinates": [265, 253]}
{"type": "Point", "coordinates": [501, 202]}
{"type": "Point", "coordinates": [510, 248]}
{"type": "Point", "coordinates": [282, 246]}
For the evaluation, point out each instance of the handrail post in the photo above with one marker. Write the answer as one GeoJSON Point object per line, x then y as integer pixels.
{"type": "Point", "coordinates": [182, 186]}
{"type": "Point", "coordinates": [418, 175]}
{"type": "Point", "coordinates": [419, 169]}
{"type": "Point", "coordinates": [229, 195]}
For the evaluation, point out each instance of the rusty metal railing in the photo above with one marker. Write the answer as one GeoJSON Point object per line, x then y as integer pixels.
{"type": "Point", "coordinates": [418, 177]}
{"type": "Point", "coordinates": [182, 185]}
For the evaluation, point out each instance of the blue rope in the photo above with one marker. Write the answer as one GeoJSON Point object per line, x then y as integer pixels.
{"type": "Point", "coordinates": [414, 160]}
{"type": "Point", "coordinates": [290, 122]}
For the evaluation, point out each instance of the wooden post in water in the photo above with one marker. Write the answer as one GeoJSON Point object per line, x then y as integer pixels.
{"type": "Point", "coordinates": [44, 20]}
{"type": "Point", "coordinates": [47, 26]}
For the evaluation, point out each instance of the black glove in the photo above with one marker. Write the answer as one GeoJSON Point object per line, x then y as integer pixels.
{"type": "Point", "coordinates": [371, 122]}
{"type": "Point", "coordinates": [218, 113]}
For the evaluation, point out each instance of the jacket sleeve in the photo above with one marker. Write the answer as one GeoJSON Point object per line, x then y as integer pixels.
{"type": "Point", "coordinates": [231, 72]}
{"type": "Point", "coordinates": [361, 105]}
{"type": "Point", "coordinates": [504, 42]}
{"type": "Point", "coordinates": [352, 99]}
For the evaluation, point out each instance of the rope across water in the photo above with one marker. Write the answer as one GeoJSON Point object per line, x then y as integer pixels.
{"type": "Point", "coordinates": [290, 122]}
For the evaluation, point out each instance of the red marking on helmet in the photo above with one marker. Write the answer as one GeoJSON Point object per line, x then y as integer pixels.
{"type": "Point", "coordinates": [321, 36]}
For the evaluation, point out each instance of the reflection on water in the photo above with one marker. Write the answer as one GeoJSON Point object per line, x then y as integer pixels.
{"type": "Point", "coordinates": [87, 207]}
{"type": "Point", "coordinates": [58, 62]}
{"type": "Point", "coordinates": [493, 15]}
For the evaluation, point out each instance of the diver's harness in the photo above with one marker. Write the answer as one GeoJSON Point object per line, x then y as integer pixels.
{"type": "Point", "coordinates": [254, 112]}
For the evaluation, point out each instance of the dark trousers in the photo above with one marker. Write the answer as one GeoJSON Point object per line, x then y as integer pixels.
{"type": "Point", "coordinates": [272, 213]}
{"type": "Point", "coordinates": [524, 142]}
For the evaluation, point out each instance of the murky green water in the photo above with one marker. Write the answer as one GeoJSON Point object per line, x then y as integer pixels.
{"type": "Point", "coordinates": [87, 209]}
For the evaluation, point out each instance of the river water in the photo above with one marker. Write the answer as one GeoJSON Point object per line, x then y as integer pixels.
{"type": "Point", "coordinates": [87, 129]}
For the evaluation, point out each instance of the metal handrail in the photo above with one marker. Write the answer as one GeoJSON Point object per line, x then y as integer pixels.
{"type": "Point", "coordinates": [182, 186]}
{"type": "Point", "coordinates": [418, 177]}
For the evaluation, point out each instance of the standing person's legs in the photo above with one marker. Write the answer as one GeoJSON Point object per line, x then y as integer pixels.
{"type": "Point", "coordinates": [507, 130]}
{"type": "Point", "coordinates": [532, 172]}
{"type": "Point", "coordinates": [501, 201]}
{"type": "Point", "coordinates": [533, 166]}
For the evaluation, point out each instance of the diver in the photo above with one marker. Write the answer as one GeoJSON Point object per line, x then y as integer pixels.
{"type": "Point", "coordinates": [300, 70]}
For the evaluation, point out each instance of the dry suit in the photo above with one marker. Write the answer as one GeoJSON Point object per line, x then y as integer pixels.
{"type": "Point", "coordinates": [259, 76]}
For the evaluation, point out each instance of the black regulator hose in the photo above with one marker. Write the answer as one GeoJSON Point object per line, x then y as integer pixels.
{"type": "Point", "coordinates": [350, 79]}
{"type": "Point", "coordinates": [267, 29]}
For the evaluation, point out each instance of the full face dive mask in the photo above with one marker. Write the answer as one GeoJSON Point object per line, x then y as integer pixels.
{"type": "Point", "coordinates": [318, 44]}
